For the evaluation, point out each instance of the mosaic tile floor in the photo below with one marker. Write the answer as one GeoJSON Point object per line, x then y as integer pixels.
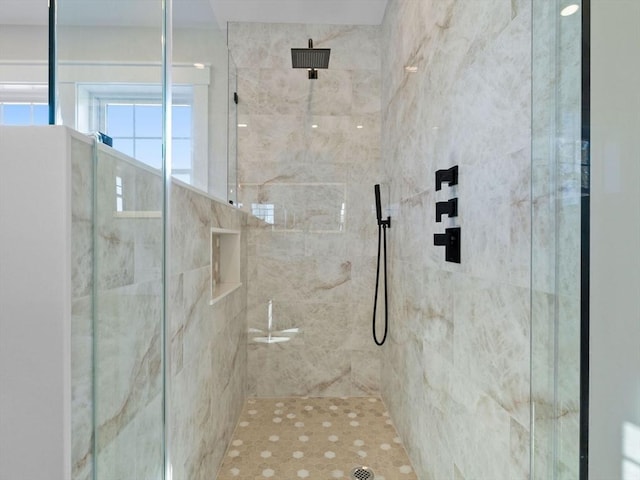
{"type": "Point", "coordinates": [315, 438]}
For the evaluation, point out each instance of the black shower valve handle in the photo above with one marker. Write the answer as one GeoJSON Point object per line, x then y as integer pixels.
{"type": "Point", "coordinates": [440, 239]}
{"type": "Point", "coordinates": [449, 175]}
{"type": "Point", "coordinates": [450, 239]}
{"type": "Point", "coordinates": [449, 207]}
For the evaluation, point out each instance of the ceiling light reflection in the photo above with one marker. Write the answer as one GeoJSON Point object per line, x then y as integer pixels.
{"type": "Point", "coordinates": [569, 10]}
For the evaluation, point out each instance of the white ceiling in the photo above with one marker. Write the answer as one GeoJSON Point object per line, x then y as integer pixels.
{"type": "Point", "coordinates": [195, 12]}
{"type": "Point", "coordinates": [345, 12]}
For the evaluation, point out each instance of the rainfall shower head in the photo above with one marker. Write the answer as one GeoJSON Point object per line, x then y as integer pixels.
{"type": "Point", "coordinates": [310, 58]}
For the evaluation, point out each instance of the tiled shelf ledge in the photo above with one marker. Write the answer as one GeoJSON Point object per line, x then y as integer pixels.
{"type": "Point", "coordinates": [138, 214]}
{"type": "Point", "coordinates": [225, 263]}
{"type": "Point", "coordinates": [222, 291]}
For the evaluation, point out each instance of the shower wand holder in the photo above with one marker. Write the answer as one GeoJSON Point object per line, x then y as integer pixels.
{"type": "Point", "coordinates": [450, 239]}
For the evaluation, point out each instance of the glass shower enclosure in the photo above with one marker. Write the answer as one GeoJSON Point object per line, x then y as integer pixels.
{"type": "Point", "coordinates": [559, 180]}
{"type": "Point", "coordinates": [112, 78]}
{"type": "Point", "coordinates": [112, 74]}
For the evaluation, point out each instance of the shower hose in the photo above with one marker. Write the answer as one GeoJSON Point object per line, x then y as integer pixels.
{"type": "Point", "coordinates": [382, 240]}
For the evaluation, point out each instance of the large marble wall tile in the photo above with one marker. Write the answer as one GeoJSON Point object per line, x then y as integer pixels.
{"type": "Point", "coordinates": [262, 45]}
{"type": "Point", "coordinates": [116, 459]}
{"type": "Point", "coordinates": [148, 440]}
{"type": "Point", "coordinates": [365, 372]}
{"type": "Point", "coordinates": [129, 244]}
{"type": "Point", "coordinates": [81, 218]}
{"type": "Point", "coordinates": [366, 91]}
{"type": "Point", "coordinates": [81, 389]}
{"type": "Point", "coordinates": [520, 440]}
{"type": "Point", "coordinates": [491, 342]}
{"type": "Point", "coordinates": [310, 278]}
{"type": "Point", "coordinates": [128, 374]}
{"type": "Point", "coordinates": [190, 230]}
{"type": "Point", "coordinates": [299, 370]}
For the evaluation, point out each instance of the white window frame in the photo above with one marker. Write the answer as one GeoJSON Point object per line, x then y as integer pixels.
{"type": "Point", "coordinates": [77, 84]}
{"type": "Point", "coordinates": [101, 96]}
{"type": "Point", "coordinates": [23, 93]}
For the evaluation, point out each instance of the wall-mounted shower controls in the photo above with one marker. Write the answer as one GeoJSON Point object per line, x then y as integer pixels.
{"type": "Point", "coordinates": [451, 241]}
{"type": "Point", "coordinates": [449, 208]}
{"type": "Point", "coordinates": [451, 238]}
{"type": "Point", "coordinates": [450, 175]}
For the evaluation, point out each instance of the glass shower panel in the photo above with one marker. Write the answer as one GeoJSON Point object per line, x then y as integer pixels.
{"type": "Point", "coordinates": [110, 79]}
{"type": "Point", "coordinates": [232, 127]}
{"type": "Point", "coordinates": [109, 71]}
{"type": "Point", "coordinates": [128, 315]}
{"type": "Point", "coordinates": [200, 75]}
{"type": "Point", "coordinates": [556, 239]}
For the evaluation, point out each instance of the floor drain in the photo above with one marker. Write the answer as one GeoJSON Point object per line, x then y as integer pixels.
{"type": "Point", "coordinates": [362, 473]}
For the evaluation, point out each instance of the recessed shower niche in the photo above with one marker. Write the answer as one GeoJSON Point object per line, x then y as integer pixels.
{"type": "Point", "coordinates": [225, 263]}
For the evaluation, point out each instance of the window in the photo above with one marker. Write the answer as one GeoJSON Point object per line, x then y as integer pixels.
{"type": "Point", "coordinates": [23, 104]}
{"type": "Point", "coordinates": [24, 113]}
{"type": "Point", "coordinates": [265, 211]}
{"type": "Point", "coordinates": [132, 116]}
{"type": "Point", "coordinates": [136, 129]}
{"type": "Point", "coordinates": [119, 197]}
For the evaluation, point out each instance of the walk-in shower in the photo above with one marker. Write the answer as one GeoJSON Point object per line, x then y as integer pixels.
{"type": "Point", "coordinates": [159, 371]}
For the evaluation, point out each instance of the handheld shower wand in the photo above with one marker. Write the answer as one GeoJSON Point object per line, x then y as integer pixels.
{"type": "Point", "coordinates": [382, 241]}
{"type": "Point", "coordinates": [376, 190]}
{"type": "Point", "coordinates": [381, 222]}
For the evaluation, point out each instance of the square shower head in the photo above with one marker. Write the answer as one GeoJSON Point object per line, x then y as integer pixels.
{"type": "Point", "coordinates": [310, 57]}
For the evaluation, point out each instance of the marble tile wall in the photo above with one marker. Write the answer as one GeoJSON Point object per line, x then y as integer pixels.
{"type": "Point", "coordinates": [208, 347]}
{"type": "Point", "coordinates": [208, 342]}
{"type": "Point", "coordinates": [307, 170]}
{"type": "Point", "coordinates": [456, 369]}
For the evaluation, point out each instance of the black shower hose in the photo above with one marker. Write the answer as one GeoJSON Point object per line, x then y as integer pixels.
{"type": "Point", "coordinates": [382, 239]}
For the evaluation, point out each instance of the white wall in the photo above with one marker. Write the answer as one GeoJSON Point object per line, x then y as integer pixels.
{"type": "Point", "coordinates": [35, 303]}
{"type": "Point", "coordinates": [614, 403]}
{"type": "Point", "coordinates": [24, 43]}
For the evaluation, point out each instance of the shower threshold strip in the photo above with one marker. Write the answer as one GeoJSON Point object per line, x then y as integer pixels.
{"type": "Point", "coordinates": [315, 438]}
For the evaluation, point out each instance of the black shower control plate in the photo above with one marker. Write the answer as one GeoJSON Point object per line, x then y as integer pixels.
{"type": "Point", "coordinates": [449, 208]}
{"type": "Point", "coordinates": [450, 239]}
{"type": "Point", "coordinates": [450, 176]}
